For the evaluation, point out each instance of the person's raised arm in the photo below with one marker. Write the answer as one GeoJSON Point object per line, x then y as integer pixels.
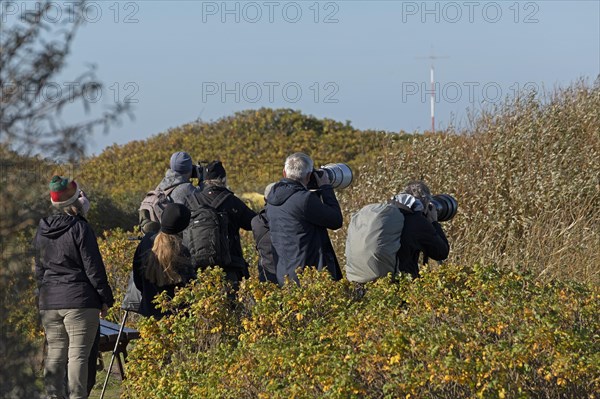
{"type": "Point", "coordinates": [432, 240]}
{"type": "Point", "coordinates": [244, 214]}
{"type": "Point", "coordinates": [324, 211]}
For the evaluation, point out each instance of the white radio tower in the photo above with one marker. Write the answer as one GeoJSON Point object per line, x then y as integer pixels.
{"type": "Point", "coordinates": [432, 57]}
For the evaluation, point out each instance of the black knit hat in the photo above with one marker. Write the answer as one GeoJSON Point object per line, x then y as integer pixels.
{"type": "Point", "coordinates": [175, 218]}
{"type": "Point", "coordinates": [214, 170]}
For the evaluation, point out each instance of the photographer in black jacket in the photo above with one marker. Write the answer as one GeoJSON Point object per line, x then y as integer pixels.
{"type": "Point", "coordinates": [422, 233]}
{"type": "Point", "coordinates": [239, 216]}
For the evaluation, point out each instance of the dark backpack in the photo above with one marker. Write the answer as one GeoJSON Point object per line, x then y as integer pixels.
{"type": "Point", "coordinates": [207, 235]}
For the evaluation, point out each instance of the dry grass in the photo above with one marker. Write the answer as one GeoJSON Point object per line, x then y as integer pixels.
{"type": "Point", "coordinates": [527, 178]}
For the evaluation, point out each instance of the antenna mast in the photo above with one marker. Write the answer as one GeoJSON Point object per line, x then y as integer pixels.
{"type": "Point", "coordinates": [432, 57]}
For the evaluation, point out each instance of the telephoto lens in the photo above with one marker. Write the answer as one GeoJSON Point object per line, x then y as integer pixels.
{"type": "Point", "coordinates": [446, 206]}
{"type": "Point", "coordinates": [340, 174]}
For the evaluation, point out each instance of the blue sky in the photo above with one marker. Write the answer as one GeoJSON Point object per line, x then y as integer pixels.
{"type": "Point", "coordinates": [345, 60]}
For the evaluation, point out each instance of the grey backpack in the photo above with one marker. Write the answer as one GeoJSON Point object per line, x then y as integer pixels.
{"type": "Point", "coordinates": [373, 241]}
{"type": "Point", "coordinates": [155, 202]}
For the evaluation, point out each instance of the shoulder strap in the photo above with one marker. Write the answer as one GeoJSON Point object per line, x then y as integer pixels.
{"type": "Point", "coordinates": [220, 199]}
{"type": "Point", "coordinates": [196, 203]}
{"type": "Point", "coordinates": [216, 202]}
{"type": "Point", "coordinates": [169, 190]}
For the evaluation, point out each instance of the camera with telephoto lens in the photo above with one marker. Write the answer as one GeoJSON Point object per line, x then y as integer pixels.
{"type": "Point", "coordinates": [340, 175]}
{"type": "Point", "coordinates": [198, 172]}
{"type": "Point", "coordinates": [446, 206]}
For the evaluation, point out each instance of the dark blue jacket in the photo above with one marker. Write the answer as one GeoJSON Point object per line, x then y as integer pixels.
{"type": "Point", "coordinates": [298, 221]}
{"type": "Point", "coordinates": [69, 270]}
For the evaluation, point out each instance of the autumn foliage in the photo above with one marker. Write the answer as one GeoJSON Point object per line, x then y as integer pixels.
{"type": "Point", "coordinates": [458, 332]}
{"type": "Point", "coordinates": [512, 314]}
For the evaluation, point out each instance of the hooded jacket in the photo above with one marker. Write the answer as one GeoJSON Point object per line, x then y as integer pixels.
{"type": "Point", "coordinates": [418, 235]}
{"type": "Point", "coordinates": [298, 221]}
{"type": "Point", "coordinates": [69, 269]}
{"type": "Point", "coordinates": [183, 190]}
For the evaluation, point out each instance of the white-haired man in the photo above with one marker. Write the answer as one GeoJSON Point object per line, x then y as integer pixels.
{"type": "Point", "coordinates": [299, 219]}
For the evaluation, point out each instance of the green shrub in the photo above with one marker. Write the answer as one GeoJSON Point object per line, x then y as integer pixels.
{"type": "Point", "coordinates": [252, 144]}
{"type": "Point", "coordinates": [457, 332]}
{"type": "Point", "coordinates": [117, 248]}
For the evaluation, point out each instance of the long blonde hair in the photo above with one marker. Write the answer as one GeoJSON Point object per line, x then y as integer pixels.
{"type": "Point", "coordinates": [165, 261]}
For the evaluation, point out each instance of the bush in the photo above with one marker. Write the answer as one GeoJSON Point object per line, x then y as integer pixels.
{"type": "Point", "coordinates": [525, 175]}
{"type": "Point", "coordinates": [252, 144]}
{"type": "Point", "coordinates": [117, 248]}
{"type": "Point", "coordinates": [458, 332]}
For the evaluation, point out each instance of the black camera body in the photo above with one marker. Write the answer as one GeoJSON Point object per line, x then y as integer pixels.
{"type": "Point", "coordinates": [312, 182]}
{"type": "Point", "coordinates": [198, 172]}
